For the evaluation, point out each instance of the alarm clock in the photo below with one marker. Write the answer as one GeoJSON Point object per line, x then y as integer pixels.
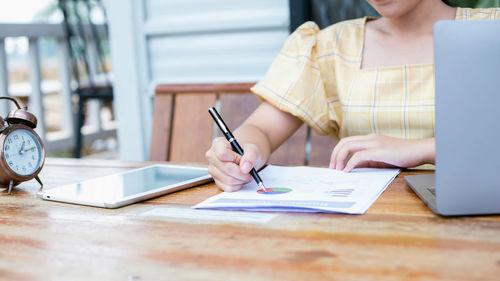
{"type": "Point", "coordinates": [22, 153]}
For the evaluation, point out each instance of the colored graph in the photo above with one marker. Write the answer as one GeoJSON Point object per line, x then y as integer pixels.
{"type": "Point", "coordinates": [274, 190]}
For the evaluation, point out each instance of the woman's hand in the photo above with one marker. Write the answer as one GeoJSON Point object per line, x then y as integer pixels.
{"type": "Point", "coordinates": [230, 170]}
{"type": "Point", "coordinates": [259, 135]}
{"type": "Point", "coordinates": [381, 151]}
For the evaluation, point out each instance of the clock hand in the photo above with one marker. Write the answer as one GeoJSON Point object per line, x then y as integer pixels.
{"type": "Point", "coordinates": [22, 148]}
{"type": "Point", "coordinates": [31, 148]}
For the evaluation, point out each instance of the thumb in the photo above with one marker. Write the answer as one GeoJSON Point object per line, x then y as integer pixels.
{"type": "Point", "coordinates": [248, 159]}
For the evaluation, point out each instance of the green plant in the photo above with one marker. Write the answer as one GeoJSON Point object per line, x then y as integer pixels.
{"type": "Point", "coordinates": [473, 3]}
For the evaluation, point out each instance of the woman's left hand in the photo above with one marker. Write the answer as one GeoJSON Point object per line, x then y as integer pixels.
{"type": "Point", "coordinates": [381, 151]}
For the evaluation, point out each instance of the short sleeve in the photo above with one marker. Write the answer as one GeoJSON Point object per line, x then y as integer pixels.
{"type": "Point", "coordinates": [478, 14]}
{"type": "Point", "coordinates": [293, 83]}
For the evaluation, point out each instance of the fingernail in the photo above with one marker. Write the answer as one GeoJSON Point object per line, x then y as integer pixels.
{"type": "Point", "coordinates": [247, 166]}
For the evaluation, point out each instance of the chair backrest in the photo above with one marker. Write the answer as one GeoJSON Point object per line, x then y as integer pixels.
{"type": "Point", "coordinates": [86, 40]}
{"type": "Point", "coordinates": [183, 130]}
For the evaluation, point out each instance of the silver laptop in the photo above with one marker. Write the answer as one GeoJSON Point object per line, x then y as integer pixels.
{"type": "Point", "coordinates": [467, 72]}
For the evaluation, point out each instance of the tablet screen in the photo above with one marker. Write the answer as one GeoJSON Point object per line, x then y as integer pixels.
{"type": "Point", "coordinates": [116, 187]}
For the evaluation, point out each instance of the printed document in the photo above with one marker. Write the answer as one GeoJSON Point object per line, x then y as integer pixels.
{"type": "Point", "coordinates": [307, 189]}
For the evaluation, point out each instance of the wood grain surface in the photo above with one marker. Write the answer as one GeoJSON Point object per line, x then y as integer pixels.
{"type": "Point", "coordinates": [397, 239]}
{"type": "Point", "coordinates": [162, 122]}
{"type": "Point", "coordinates": [193, 127]}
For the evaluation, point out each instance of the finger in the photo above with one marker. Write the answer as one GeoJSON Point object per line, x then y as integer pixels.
{"type": "Point", "coordinates": [229, 168]}
{"type": "Point", "coordinates": [225, 177]}
{"type": "Point", "coordinates": [225, 187]}
{"type": "Point", "coordinates": [374, 164]}
{"type": "Point", "coordinates": [235, 171]}
{"type": "Point", "coordinates": [377, 164]}
{"type": "Point", "coordinates": [353, 146]}
{"type": "Point", "coordinates": [340, 146]}
{"type": "Point", "coordinates": [222, 177]}
{"type": "Point", "coordinates": [249, 159]}
{"type": "Point", "coordinates": [366, 164]}
{"type": "Point", "coordinates": [357, 159]}
{"type": "Point", "coordinates": [222, 150]}
{"type": "Point", "coordinates": [335, 151]}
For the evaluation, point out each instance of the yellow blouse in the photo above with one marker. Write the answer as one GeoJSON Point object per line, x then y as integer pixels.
{"type": "Point", "coordinates": [317, 77]}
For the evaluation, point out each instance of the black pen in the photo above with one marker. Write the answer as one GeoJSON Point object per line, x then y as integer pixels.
{"type": "Point", "coordinates": [234, 144]}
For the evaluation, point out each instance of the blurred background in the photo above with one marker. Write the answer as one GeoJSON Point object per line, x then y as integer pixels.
{"type": "Point", "coordinates": [93, 64]}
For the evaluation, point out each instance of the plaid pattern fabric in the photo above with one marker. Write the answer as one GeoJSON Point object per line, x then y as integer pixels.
{"type": "Point", "coordinates": [317, 77]}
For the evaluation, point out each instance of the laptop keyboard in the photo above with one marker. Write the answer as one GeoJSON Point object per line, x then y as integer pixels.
{"type": "Point", "coordinates": [432, 190]}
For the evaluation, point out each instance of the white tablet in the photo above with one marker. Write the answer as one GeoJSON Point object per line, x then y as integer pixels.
{"type": "Point", "coordinates": [128, 187]}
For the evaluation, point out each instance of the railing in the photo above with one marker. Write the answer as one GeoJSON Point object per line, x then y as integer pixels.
{"type": "Point", "coordinates": [63, 139]}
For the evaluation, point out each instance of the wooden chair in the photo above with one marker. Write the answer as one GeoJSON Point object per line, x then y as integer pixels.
{"type": "Point", "coordinates": [88, 60]}
{"type": "Point", "coordinates": [183, 130]}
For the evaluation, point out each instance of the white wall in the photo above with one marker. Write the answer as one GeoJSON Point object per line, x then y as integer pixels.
{"type": "Point", "coordinates": [214, 41]}
{"type": "Point", "coordinates": [185, 41]}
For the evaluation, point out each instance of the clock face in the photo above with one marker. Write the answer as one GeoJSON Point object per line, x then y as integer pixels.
{"type": "Point", "coordinates": [22, 152]}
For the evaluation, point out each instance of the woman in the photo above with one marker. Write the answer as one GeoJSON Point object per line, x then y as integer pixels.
{"type": "Point", "coordinates": [369, 82]}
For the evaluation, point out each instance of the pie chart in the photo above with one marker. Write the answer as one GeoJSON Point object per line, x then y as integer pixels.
{"type": "Point", "coordinates": [274, 190]}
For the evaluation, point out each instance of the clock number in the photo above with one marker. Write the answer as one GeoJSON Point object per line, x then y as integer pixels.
{"type": "Point", "coordinates": [11, 163]}
{"type": "Point", "coordinates": [7, 147]}
{"type": "Point", "coordinates": [6, 156]}
{"type": "Point", "coordinates": [9, 141]}
{"type": "Point", "coordinates": [32, 157]}
{"type": "Point", "coordinates": [16, 137]}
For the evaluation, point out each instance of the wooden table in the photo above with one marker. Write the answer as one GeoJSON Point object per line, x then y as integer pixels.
{"type": "Point", "coordinates": [398, 238]}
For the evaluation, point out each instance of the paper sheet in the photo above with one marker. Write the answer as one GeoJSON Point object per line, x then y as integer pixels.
{"type": "Point", "coordinates": [307, 189]}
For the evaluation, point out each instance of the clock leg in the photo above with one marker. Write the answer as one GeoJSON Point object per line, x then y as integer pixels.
{"type": "Point", "coordinates": [10, 186]}
{"type": "Point", "coordinates": [39, 181]}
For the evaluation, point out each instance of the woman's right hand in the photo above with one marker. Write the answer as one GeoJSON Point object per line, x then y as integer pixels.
{"type": "Point", "coordinates": [230, 170]}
